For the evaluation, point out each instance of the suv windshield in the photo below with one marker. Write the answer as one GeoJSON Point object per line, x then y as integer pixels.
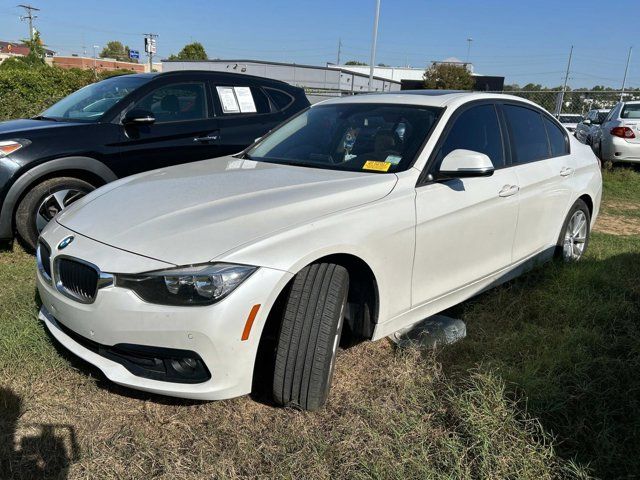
{"type": "Point", "coordinates": [91, 102]}
{"type": "Point", "coordinates": [350, 136]}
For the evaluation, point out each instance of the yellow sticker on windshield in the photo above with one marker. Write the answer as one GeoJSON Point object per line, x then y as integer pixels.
{"type": "Point", "coordinates": [377, 166]}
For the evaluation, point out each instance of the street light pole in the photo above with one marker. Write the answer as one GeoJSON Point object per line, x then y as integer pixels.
{"type": "Point", "coordinates": [373, 44]}
{"type": "Point", "coordinates": [95, 59]}
{"type": "Point", "coordinates": [626, 69]}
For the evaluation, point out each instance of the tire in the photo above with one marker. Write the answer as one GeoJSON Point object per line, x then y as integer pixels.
{"type": "Point", "coordinates": [567, 248]}
{"type": "Point", "coordinates": [29, 218]}
{"type": "Point", "coordinates": [309, 336]}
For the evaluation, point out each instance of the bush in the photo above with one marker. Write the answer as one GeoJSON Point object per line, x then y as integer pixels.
{"type": "Point", "coordinates": [27, 92]}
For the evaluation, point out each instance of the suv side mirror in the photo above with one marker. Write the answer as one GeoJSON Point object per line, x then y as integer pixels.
{"type": "Point", "coordinates": [138, 116]}
{"type": "Point", "coordinates": [586, 121]}
{"type": "Point", "coordinates": [464, 164]}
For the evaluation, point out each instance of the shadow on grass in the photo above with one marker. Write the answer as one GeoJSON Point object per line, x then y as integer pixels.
{"type": "Point", "coordinates": [44, 451]}
{"type": "Point", "coordinates": [566, 340]}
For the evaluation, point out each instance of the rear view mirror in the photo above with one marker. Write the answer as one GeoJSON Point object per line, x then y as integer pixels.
{"type": "Point", "coordinates": [138, 116]}
{"type": "Point", "coordinates": [464, 164]}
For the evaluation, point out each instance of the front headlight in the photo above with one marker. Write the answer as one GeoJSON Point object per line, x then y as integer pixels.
{"type": "Point", "coordinates": [7, 147]}
{"type": "Point", "coordinates": [193, 285]}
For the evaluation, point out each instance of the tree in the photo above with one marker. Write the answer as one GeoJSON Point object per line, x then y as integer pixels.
{"type": "Point", "coordinates": [447, 76]}
{"type": "Point", "coordinates": [191, 51]}
{"type": "Point", "coordinates": [356, 62]}
{"type": "Point", "coordinates": [117, 50]}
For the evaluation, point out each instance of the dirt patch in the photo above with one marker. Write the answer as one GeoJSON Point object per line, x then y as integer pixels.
{"type": "Point", "coordinates": [617, 224]}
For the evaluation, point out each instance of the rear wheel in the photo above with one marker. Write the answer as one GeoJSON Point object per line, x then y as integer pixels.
{"type": "Point", "coordinates": [43, 202]}
{"type": "Point", "coordinates": [309, 336]}
{"type": "Point", "coordinates": [574, 238]}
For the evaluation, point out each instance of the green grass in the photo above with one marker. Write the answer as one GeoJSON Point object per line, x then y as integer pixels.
{"type": "Point", "coordinates": [545, 386]}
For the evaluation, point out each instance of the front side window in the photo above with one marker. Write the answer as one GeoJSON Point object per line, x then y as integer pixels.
{"type": "Point", "coordinates": [354, 137]}
{"type": "Point", "coordinates": [90, 103]}
{"type": "Point", "coordinates": [528, 135]}
{"type": "Point", "coordinates": [176, 103]}
{"type": "Point", "coordinates": [476, 129]}
{"type": "Point", "coordinates": [557, 138]}
{"type": "Point", "coordinates": [631, 110]}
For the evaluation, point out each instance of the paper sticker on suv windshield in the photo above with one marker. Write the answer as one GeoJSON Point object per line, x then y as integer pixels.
{"type": "Point", "coordinates": [393, 159]}
{"type": "Point", "coordinates": [377, 166]}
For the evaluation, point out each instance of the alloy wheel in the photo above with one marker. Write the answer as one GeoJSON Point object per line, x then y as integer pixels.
{"type": "Point", "coordinates": [575, 237]}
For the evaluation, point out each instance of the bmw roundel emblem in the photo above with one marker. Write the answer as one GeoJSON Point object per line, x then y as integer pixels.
{"type": "Point", "coordinates": [65, 242]}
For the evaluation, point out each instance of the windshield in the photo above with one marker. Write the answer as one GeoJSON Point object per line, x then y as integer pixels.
{"type": "Point", "coordinates": [570, 118]}
{"type": "Point", "coordinates": [350, 136]}
{"type": "Point", "coordinates": [91, 102]}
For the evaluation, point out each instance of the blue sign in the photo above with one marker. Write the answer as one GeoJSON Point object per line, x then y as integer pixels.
{"type": "Point", "coordinates": [134, 54]}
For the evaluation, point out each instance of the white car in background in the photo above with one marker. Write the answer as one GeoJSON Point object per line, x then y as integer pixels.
{"type": "Point", "coordinates": [619, 139]}
{"type": "Point", "coordinates": [358, 217]}
{"type": "Point", "coordinates": [570, 121]}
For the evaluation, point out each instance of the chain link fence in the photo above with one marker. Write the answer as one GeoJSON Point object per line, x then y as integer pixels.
{"type": "Point", "coordinates": [575, 101]}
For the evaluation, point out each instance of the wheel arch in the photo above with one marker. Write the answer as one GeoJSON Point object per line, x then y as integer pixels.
{"type": "Point", "coordinates": [84, 168]}
{"type": "Point", "coordinates": [363, 301]}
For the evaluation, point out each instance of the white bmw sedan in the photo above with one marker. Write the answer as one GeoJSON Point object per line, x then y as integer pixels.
{"type": "Point", "coordinates": [356, 218]}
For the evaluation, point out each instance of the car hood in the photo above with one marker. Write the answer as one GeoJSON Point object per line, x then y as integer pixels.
{"type": "Point", "coordinates": [196, 212]}
{"type": "Point", "coordinates": [15, 128]}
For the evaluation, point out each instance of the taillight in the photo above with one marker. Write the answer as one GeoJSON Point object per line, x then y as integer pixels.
{"type": "Point", "coordinates": [623, 132]}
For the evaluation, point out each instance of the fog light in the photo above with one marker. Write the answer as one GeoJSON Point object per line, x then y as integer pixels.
{"type": "Point", "coordinates": [186, 366]}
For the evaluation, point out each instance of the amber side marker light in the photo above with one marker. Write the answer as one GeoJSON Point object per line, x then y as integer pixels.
{"type": "Point", "coordinates": [249, 324]}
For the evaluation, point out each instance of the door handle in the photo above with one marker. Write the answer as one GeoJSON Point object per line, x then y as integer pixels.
{"type": "Point", "coordinates": [566, 171]}
{"type": "Point", "coordinates": [212, 137]}
{"type": "Point", "coordinates": [508, 190]}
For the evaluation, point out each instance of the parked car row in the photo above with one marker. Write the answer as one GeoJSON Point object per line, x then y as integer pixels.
{"type": "Point", "coordinates": [353, 219]}
{"type": "Point", "coordinates": [614, 135]}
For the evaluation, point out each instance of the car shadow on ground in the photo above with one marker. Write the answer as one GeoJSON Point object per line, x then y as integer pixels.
{"type": "Point", "coordinates": [35, 451]}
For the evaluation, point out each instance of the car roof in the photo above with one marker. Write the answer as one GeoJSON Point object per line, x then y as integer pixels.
{"type": "Point", "coordinates": [427, 98]}
{"type": "Point", "coordinates": [632, 102]}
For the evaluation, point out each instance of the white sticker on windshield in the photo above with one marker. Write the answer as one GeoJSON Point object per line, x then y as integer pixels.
{"type": "Point", "coordinates": [228, 100]}
{"type": "Point", "coordinates": [394, 159]}
{"type": "Point", "coordinates": [245, 99]}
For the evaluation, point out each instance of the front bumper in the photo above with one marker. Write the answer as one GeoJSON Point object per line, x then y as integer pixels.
{"type": "Point", "coordinates": [118, 316]}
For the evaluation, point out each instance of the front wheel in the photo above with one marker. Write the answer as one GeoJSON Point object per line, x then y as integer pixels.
{"type": "Point", "coordinates": [43, 202]}
{"type": "Point", "coordinates": [574, 237]}
{"type": "Point", "coordinates": [309, 336]}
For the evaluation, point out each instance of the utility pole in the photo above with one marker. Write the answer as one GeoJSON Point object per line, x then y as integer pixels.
{"type": "Point", "coordinates": [373, 44]}
{"type": "Point", "coordinates": [95, 60]}
{"type": "Point", "coordinates": [564, 86]}
{"type": "Point", "coordinates": [339, 50]}
{"type": "Point", "coordinates": [30, 17]}
{"type": "Point", "coordinates": [626, 69]}
{"type": "Point", "coordinates": [469, 40]}
{"type": "Point", "coordinates": [150, 47]}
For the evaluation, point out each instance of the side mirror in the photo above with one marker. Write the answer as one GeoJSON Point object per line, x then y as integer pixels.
{"type": "Point", "coordinates": [464, 164]}
{"type": "Point", "coordinates": [138, 116]}
{"type": "Point", "coordinates": [586, 121]}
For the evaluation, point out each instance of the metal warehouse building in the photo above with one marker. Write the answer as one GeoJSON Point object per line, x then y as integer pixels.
{"type": "Point", "coordinates": [318, 82]}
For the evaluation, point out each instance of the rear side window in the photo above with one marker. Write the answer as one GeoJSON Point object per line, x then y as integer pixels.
{"type": "Point", "coordinates": [528, 135]}
{"type": "Point", "coordinates": [557, 138]}
{"type": "Point", "coordinates": [631, 110]}
{"type": "Point", "coordinates": [281, 99]}
{"type": "Point", "coordinates": [240, 99]}
{"type": "Point", "coordinates": [475, 129]}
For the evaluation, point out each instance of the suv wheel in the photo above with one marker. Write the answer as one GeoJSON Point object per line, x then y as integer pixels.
{"type": "Point", "coordinates": [43, 202]}
{"type": "Point", "coordinates": [309, 336]}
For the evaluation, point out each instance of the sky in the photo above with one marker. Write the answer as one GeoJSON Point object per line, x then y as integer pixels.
{"type": "Point", "coordinates": [527, 42]}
